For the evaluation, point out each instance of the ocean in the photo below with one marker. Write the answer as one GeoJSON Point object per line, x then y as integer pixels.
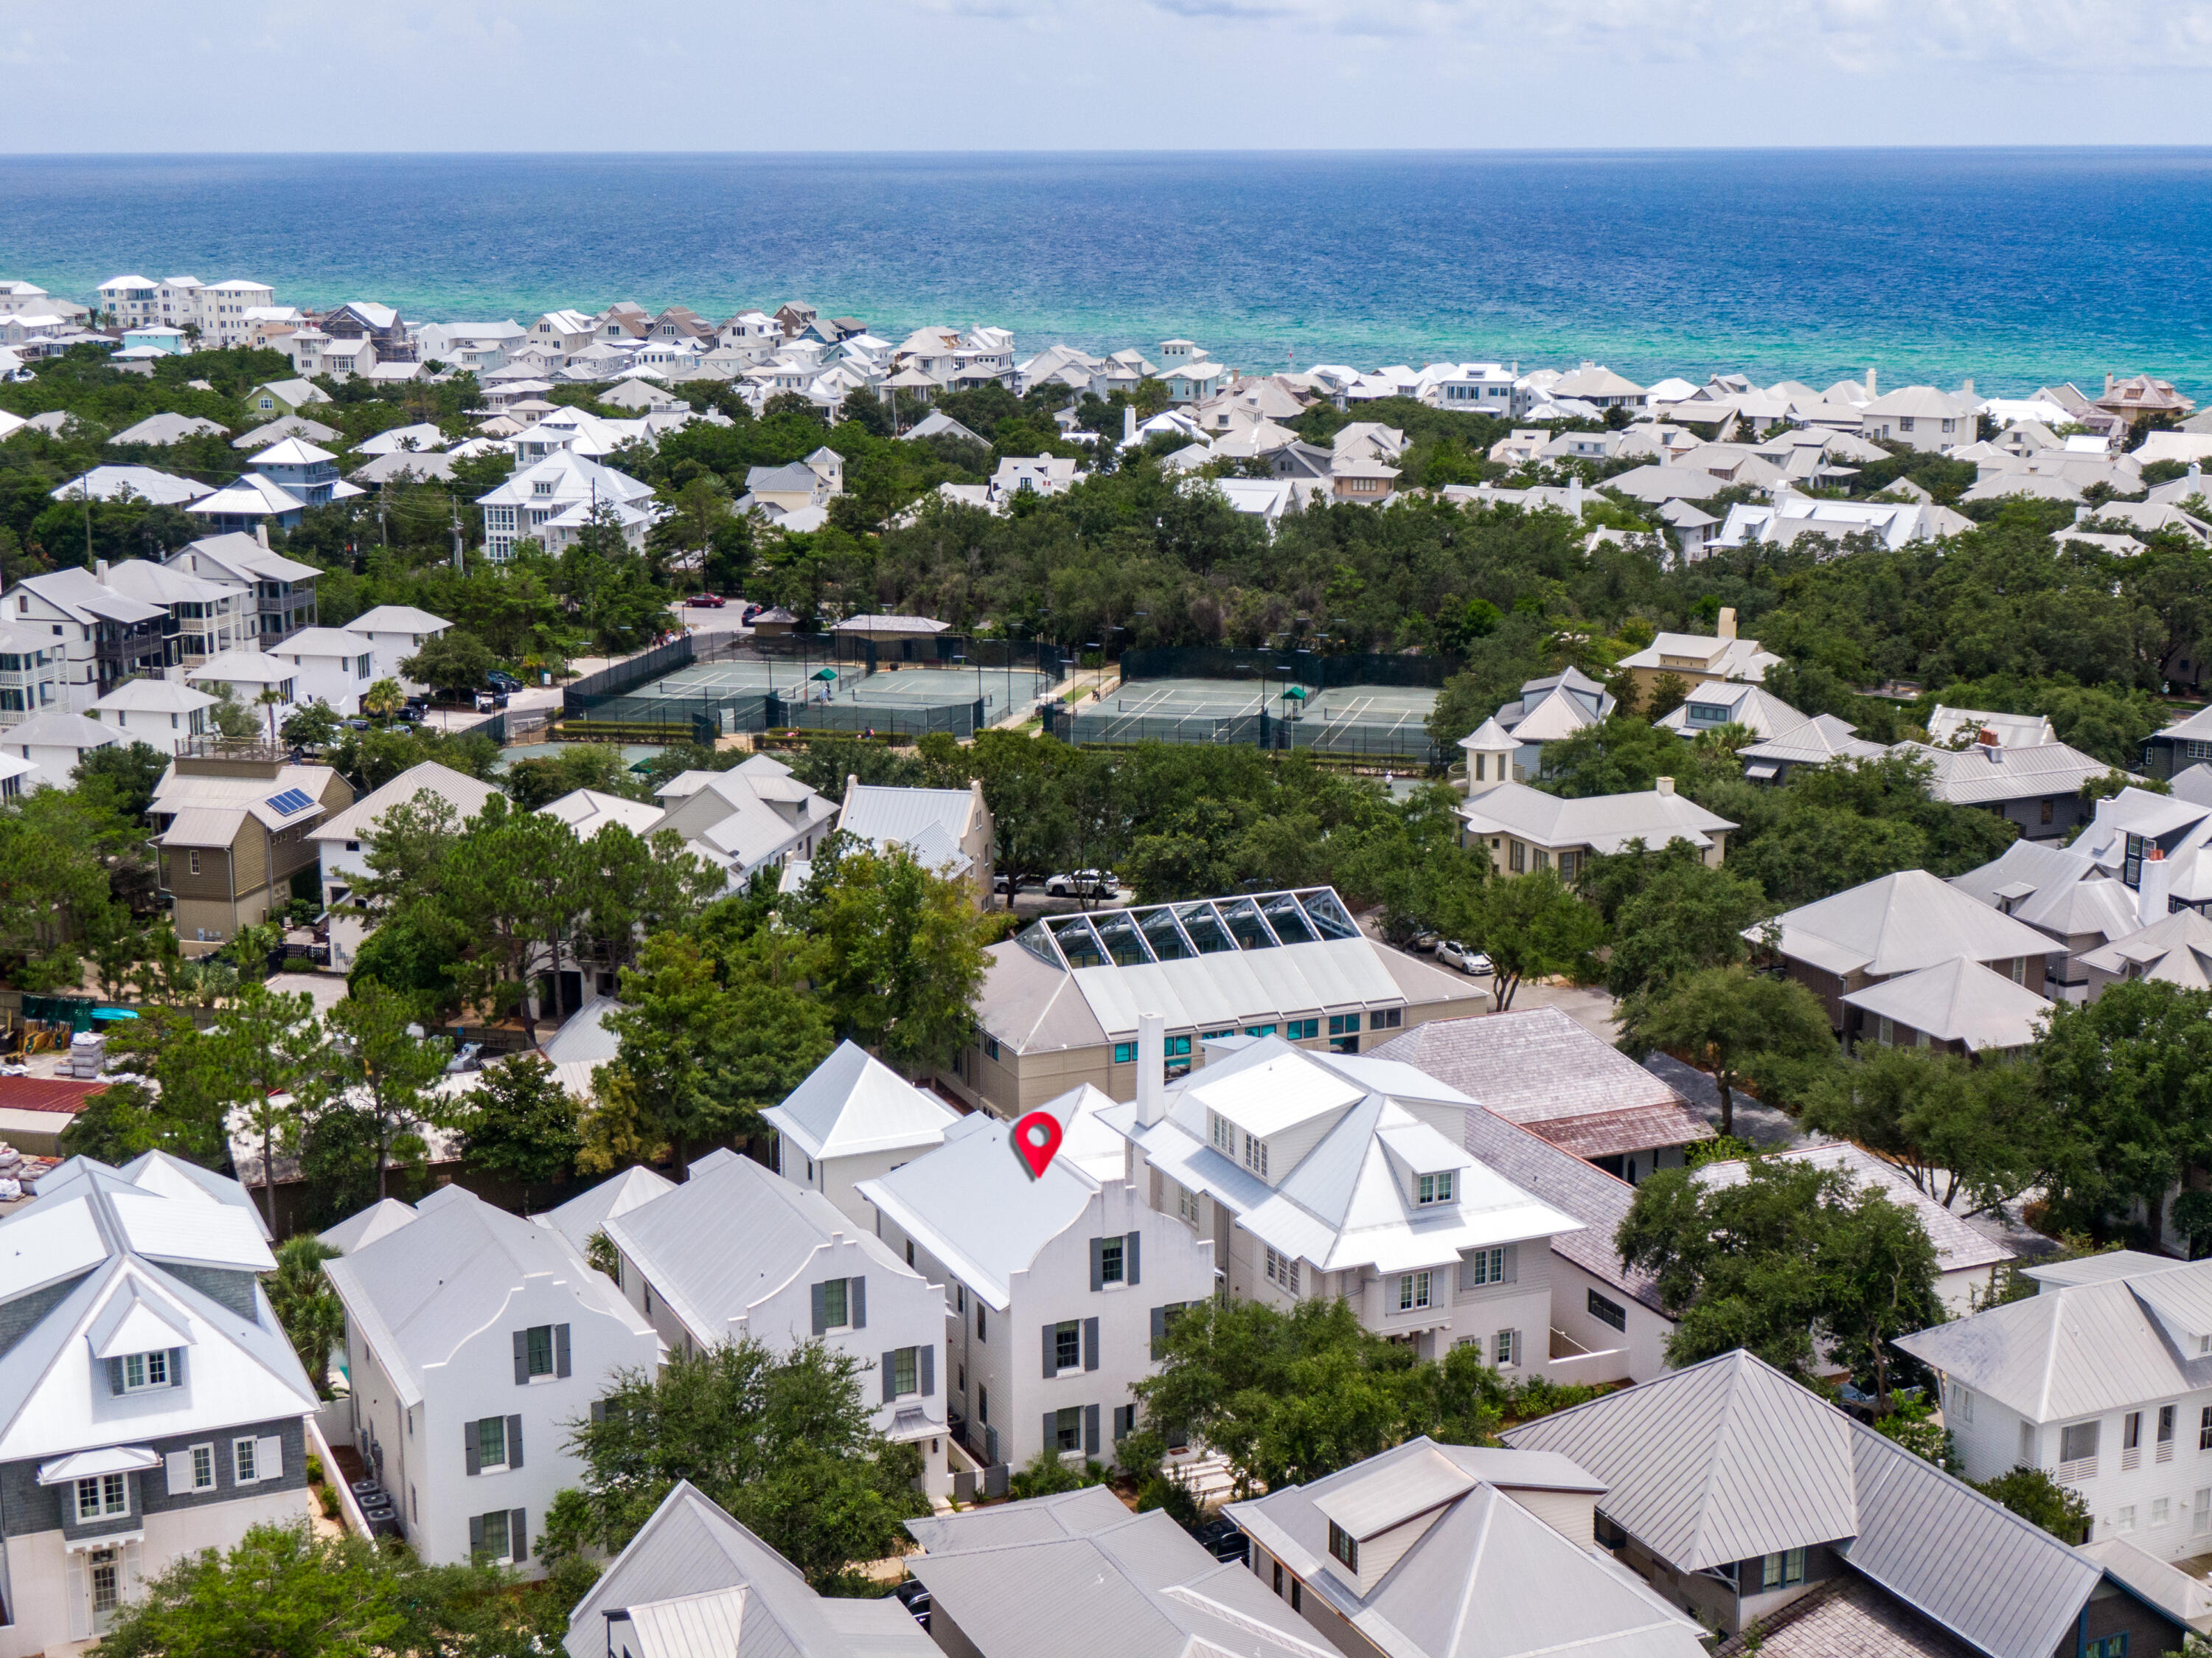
{"type": "Point", "coordinates": [2013, 267]}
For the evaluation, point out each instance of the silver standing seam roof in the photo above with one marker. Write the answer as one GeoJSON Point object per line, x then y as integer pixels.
{"type": "Point", "coordinates": [1486, 1578]}
{"type": "Point", "coordinates": [1135, 1586]}
{"type": "Point", "coordinates": [1731, 1460]}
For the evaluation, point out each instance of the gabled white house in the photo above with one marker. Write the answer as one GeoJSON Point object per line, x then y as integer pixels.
{"type": "Point", "coordinates": [341, 843]}
{"type": "Point", "coordinates": [334, 665]}
{"type": "Point", "coordinates": [852, 1119]}
{"type": "Point", "coordinates": [395, 632]}
{"type": "Point", "coordinates": [564, 486]}
{"type": "Point", "coordinates": [1057, 1288]}
{"type": "Point", "coordinates": [278, 594]}
{"type": "Point", "coordinates": [754, 816]}
{"type": "Point", "coordinates": [473, 1340]}
{"type": "Point", "coordinates": [1323, 1175]}
{"type": "Point", "coordinates": [164, 713]}
{"type": "Point", "coordinates": [734, 1252]}
{"type": "Point", "coordinates": [150, 1404]}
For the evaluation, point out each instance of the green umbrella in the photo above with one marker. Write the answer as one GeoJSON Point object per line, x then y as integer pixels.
{"type": "Point", "coordinates": [825, 674]}
{"type": "Point", "coordinates": [1296, 691]}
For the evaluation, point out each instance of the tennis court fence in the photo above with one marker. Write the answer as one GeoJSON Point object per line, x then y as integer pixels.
{"type": "Point", "coordinates": [1399, 742]}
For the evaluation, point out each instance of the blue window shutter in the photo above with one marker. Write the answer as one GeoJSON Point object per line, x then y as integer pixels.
{"type": "Point", "coordinates": [1090, 1430]}
{"type": "Point", "coordinates": [1051, 1351]}
{"type": "Point", "coordinates": [1129, 1274]}
{"type": "Point", "coordinates": [469, 1453]}
{"type": "Point", "coordinates": [856, 1302]}
{"type": "Point", "coordinates": [560, 1349]}
{"type": "Point", "coordinates": [598, 1410]}
{"type": "Point", "coordinates": [1159, 1330]}
{"type": "Point", "coordinates": [514, 1442]}
{"type": "Point", "coordinates": [475, 1533]}
{"type": "Point", "coordinates": [1090, 1343]}
{"type": "Point", "coordinates": [518, 1534]}
{"type": "Point", "coordinates": [115, 1375]}
{"type": "Point", "coordinates": [890, 1385]}
{"type": "Point", "coordinates": [1052, 1433]}
{"type": "Point", "coordinates": [1097, 1264]}
{"type": "Point", "coordinates": [522, 1358]}
{"type": "Point", "coordinates": [821, 1309]}
{"type": "Point", "coordinates": [926, 1358]}
{"type": "Point", "coordinates": [177, 1366]}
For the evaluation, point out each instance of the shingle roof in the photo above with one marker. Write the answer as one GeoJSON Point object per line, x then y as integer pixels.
{"type": "Point", "coordinates": [1599, 1200]}
{"type": "Point", "coordinates": [1539, 1068]}
{"type": "Point", "coordinates": [1729, 1459]}
{"type": "Point", "coordinates": [1846, 1617]}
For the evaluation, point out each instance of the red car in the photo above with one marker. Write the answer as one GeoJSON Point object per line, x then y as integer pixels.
{"type": "Point", "coordinates": [708, 601]}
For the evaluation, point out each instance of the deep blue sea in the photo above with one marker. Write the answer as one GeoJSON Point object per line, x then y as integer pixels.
{"type": "Point", "coordinates": [2012, 267]}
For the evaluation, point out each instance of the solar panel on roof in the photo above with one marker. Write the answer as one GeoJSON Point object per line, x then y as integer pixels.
{"type": "Point", "coordinates": [291, 801]}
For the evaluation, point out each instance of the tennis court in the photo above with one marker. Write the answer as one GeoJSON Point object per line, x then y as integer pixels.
{"type": "Point", "coordinates": [842, 696]}
{"type": "Point", "coordinates": [1385, 721]}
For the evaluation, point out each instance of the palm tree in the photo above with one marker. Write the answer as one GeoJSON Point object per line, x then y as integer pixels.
{"type": "Point", "coordinates": [312, 1314]}
{"type": "Point", "coordinates": [383, 700]}
{"type": "Point", "coordinates": [269, 700]}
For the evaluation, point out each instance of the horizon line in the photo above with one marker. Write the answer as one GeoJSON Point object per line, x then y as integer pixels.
{"type": "Point", "coordinates": [17, 153]}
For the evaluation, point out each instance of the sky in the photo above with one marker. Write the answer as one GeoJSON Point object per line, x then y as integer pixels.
{"type": "Point", "coordinates": [625, 76]}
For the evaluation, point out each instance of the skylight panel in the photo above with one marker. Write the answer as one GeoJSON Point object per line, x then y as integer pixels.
{"type": "Point", "coordinates": [1078, 943]}
{"type": "Point", "coordinates": [1242, 917]}
{"type": "Point", "coordinates": [1288, 920]}
{"type": "Point", "coordinates": [1119, 933]}
{"type": "Point", "coordinates": [1203, 929]}
{"type": "Point", "coordinates": [1160, 932]}
{"type": "Point", "coordinates": [1328, 914]}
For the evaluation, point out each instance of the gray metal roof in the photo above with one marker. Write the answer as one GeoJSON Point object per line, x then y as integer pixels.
{"type": "Point", "coordinates": [1486, 1578]}
{"type": "Point", "coordinates": [1959, 1001]}
{"type": "Point", "coordinates": [1731, 1460]}
{"type": "Point", "coordinates": [1896, 923]}
{"type": "Point", "coordinates": [2081, 1349]}
{"type": "Point", "coordinates": [419, 1292]}
{"type": "Point", "coordinates": [1604, 823]}
{"type": "Point", "coordinates": [691, 1547]}
{"type": "Point", "coordinates": [1959, 1247]}
{"type": "Point", "coordinates": [731, 1234]}
{"type": "Point", "coordinates": [1067, 1514]}
{"type": "Point", "coordinates": [589, 1211]}
{"type": "Point", "coordinates": [1136, 1588]}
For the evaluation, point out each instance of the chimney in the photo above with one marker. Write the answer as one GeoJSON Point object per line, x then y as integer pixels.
{"type": "Point", "coordinates": [1727, 627]}
{"type": "Point", "coordinates": [2155, 882]}
{"type": "Point", "coordinates": [1871, 393]}
{"type": "Point", "coordinates": [261, 533]}
{"type": "Point", "coordinates": [99, 570]}
{"type": "Point", "coordinates": [1666, 785]}
{"type": "Point", "coordinates": [1128, 422]}
{"type": "Point", "coordinates": [1966, 386]}
{"type": "Point", "coordinates": [2110, 381]}
{"type": "Point", "coordinates": [2082, 514]}
{"type": "Point", "coordinates": [1151, 1068]}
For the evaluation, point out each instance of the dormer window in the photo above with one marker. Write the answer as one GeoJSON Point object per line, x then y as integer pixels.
{"type": "Point", "coordinates": [1344, 1548]}
{"type": "Point", "coordinates": [1255, 1155]}
{"type": "Point", "coordinates": [1224, 1138]}
{"type": "Point", "coordinates": [140, 1373]}
{"type": "Point", "coordinates": [1434, 1189]}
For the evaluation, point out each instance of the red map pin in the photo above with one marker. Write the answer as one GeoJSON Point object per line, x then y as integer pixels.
{"type": "Point", "coordinates": [1036, 1141]}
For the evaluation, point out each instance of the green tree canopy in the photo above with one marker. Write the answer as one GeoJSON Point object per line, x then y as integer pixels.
{"type": "Point", "coordinates": [1736, 1024]}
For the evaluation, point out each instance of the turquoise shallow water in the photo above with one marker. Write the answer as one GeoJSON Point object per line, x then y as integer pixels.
{"type": "Point", "coordinates": [2012, 266]}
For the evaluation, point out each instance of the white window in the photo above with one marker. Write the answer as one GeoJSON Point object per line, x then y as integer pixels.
{"type": "Point", "coordinates": [1962, 1404]}
{"type": "Point", "coordinates": [101, 1497]}
{"type": "Point", "coordinates": [1255, 1155]}
{"type": "Point", "coordinates": [1224, 1138]}
{"type": "Point", "coordinates": [1502, 1349]}
{"type": "Point", "coordinates": [143, 1371]}
{"type": "Point", "coordinates": [1482, 1266]}
{"type": "Point", "coordinates": [2125, 1521]}
{"type": "Point", "coordinates": [2200, 1519]}
{"type": "Point", "coordinates": [1283, 1270]}
{"type": "Point", "coordinates": [202, 1467]}
{"type": "Point", "coordinates": [1434, 1189]}
{"type": "Point", "coordinates": [1187, 1204]}
{"type": "Point", "coordinates": [2160, 1511]}
{"type": "Point", "coordinates": [1413, 1291]}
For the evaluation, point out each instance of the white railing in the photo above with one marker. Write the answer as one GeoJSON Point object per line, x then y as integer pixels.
{"type": "Point", "coordinates": [2073, 1472]}
{"type": "Point", "coordinates": [1610, 1364]}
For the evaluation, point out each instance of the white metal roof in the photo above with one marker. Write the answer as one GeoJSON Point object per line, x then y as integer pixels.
{"type": "Point", "coordinates": [1959, 1001]}
{"type": "Point", "coordinates": [467, 795]}
{"type": "Point", "coordinates": [853, 1103]}
{"type": "Point", "coordinates": [1604, 823]}
{"type": "Point", "coordinates": [1898, 923]}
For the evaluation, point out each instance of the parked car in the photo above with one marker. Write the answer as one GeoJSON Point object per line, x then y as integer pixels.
{"type": "Point", "coordinates": [490, 702]}
{"type": "Point", "coordinates": [413, 714]}
{"type": "Point", "coordinates": [501, 680]}
{"type": "Point", "coordinates": [750, 611]}
{"type": "Point", "coordinates": [1083, 883]}
{"type": "Point", "coordinates": [708, 601]}
{"type": "Point", "coordinates": [1221, 1538]}
{"type": "Point", "coordinates": [1451, 953]}
{"type": "Point", "coordinates": [914, 1595]}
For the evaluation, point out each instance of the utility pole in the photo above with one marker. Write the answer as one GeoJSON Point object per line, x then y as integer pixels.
{"type": "Point", "coordinates": [458, 563]}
